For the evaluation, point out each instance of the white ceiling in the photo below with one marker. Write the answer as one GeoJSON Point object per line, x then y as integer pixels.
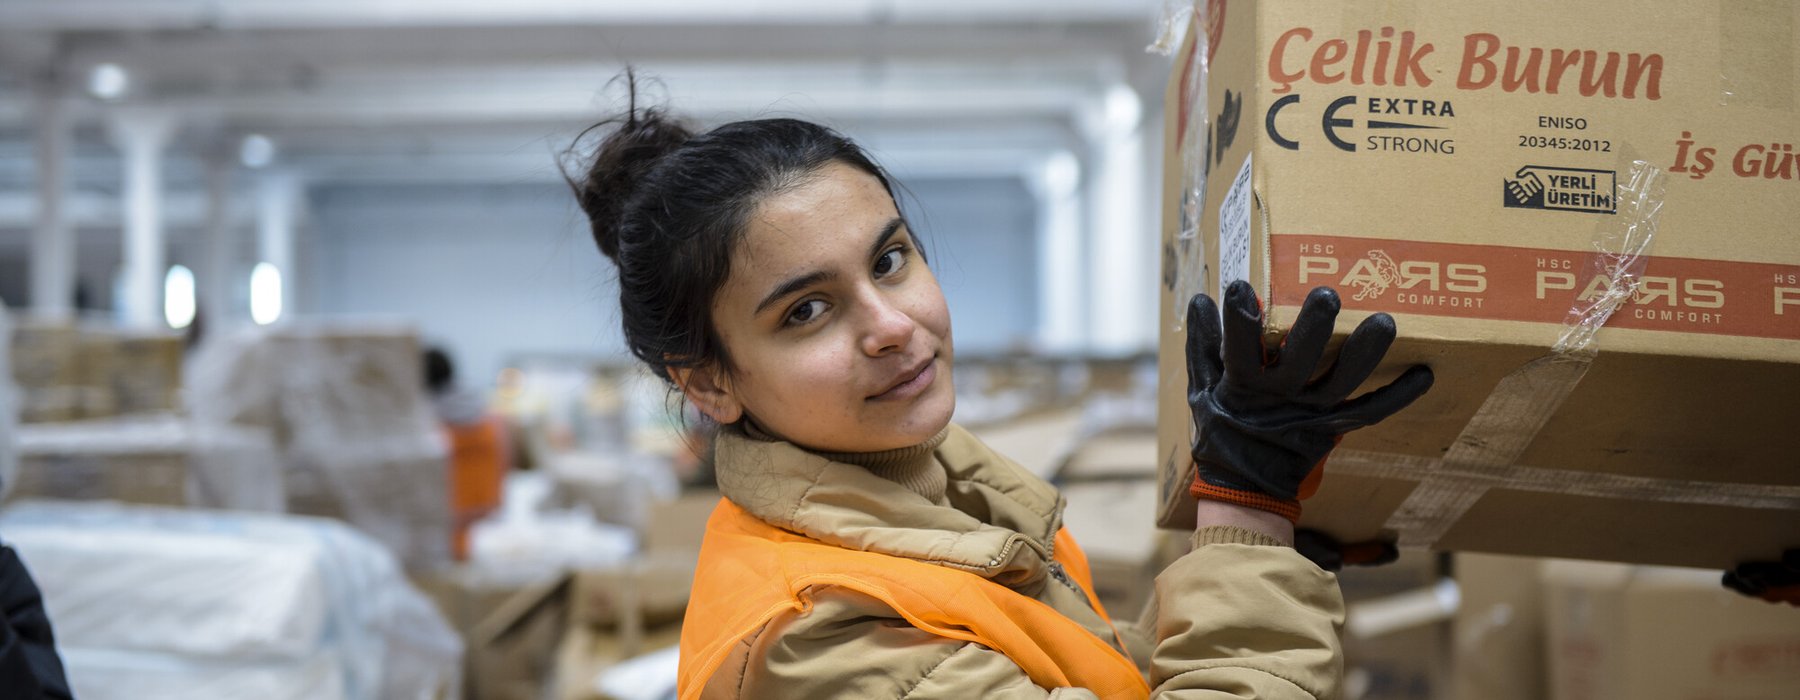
{"type": "Point", "coordinates": [472, 90]}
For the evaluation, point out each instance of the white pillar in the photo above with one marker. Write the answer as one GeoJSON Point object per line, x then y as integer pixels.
{"type": "Point", "coordinates": [1061, 283]}
{"type": "Point", "coordinates": [52, 242]}
{"type": "Point", "coordinates": [141, 135]}
{"type": "Point", "coordinates": [1120, 239]}
{"type": "Point", "coordinates": [219, 262]}
{"type": "Point", "coordinates": [278, 208]}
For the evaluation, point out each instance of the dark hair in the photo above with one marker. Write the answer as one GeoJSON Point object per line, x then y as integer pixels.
{"type": "Point", "coordinates": [439, 370]}
{"type": "Point", "coordinates": [669, 207]}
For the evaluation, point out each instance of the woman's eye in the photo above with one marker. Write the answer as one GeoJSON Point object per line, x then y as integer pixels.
{"type": "Point", "coordinates": [890, 262]}
{"type": "Point", "coordinates": [806, 311]}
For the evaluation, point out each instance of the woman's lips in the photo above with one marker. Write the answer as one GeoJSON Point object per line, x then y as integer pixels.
{"type": "Point", "coordinates": [911, 387]}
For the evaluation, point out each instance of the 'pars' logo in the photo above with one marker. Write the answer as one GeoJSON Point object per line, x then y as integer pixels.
{"type": "Point", "coordinates": [1561, 189]}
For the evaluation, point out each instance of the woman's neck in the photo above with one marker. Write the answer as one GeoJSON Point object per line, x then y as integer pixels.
{"type": "Point", "coordinates": [912, 467]}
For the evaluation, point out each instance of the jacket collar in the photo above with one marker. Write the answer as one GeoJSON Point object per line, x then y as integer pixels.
{"type": "Point", "coordinates": [1000, 523]}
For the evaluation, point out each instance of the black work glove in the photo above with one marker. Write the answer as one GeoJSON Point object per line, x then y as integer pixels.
{"type": "Point", "coordinates": [1331, 555]}
{"type": "Point", "coordinates": [1773, 581]}
{"type": "Point", "coordinates": [1261, 426]}
{"type": "Point", "coordinates": [29, 666]}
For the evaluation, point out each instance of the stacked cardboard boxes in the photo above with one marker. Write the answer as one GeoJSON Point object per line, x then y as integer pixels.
{"type": "Point", "coordinates": [1532, 628]}
{"type": "Point", "coordinates": [1474, 171]}
{"type": "Point", "coordinates": [1659, 633]}
{"type": "Point", "coordinates": [346, 406]}
{"type": "Point", "coordinates": [150, 460]}
{"type": "Point", "coordinates": [68, 371]}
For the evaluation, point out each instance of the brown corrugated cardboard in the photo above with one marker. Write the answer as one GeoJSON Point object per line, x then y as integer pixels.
{"type": "Point", "coordinates": [648, 591]}
{"type": "Point", "coordinates": [676, 527]}
{"type": "Point", "coordinates": [43, 352]}
{"type": "Point", "coordinates": [510, 630]}
{"type": "Point", "coordinates": [1404, 663]}
{"type": "Point", "coordinates": [72, 372]}
{"type": "Point", "coordinates": [587, 652]}
{"type": "Point", "coordinates": [1655, 633]}
{"type": "Point", "coordinates": [1106, 519]}
{"type": "Point", "coordinates": [1455, 166]}
{"type": "Point", "coordinates": [1498, 632]}
{"type": "Point", "coordinates": [140, 370]}
{"type": "Point", "coordinates": [149, 478]}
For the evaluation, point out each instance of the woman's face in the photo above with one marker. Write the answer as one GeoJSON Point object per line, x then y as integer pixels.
{"type": "Point", "coordinates": [838, 334]}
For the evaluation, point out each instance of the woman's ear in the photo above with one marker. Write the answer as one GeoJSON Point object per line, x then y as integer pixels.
{"type": "Point", "coordinates": [707, 388]}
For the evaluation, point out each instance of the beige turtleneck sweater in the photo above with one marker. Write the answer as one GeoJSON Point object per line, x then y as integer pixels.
{"type": "Point", "coordinates": [913, 468]}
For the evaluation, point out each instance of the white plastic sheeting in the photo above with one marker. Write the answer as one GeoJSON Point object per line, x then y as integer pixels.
{"type": "Point", "coordinates": [154, 603]}
{"type": "Point", "coordinates": [348, 410]}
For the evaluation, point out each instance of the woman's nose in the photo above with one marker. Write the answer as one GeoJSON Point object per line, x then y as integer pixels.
{"type": "Point", "coordinates": [888, 327]}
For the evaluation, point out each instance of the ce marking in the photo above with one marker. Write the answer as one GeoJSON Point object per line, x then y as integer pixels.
{"type": "Point", "coordinates": [1329, 123]}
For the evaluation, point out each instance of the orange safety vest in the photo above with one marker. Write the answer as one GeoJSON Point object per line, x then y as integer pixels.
{"type": "Point", "coordinates": [751, 571]}
{"type": "Point", "coordinates": [478, 466]}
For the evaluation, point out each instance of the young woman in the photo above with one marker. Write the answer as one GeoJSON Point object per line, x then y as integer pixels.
{"type": "Point", "coordinates": [866, 546]}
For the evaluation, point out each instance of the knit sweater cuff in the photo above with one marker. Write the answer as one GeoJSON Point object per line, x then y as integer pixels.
{"type": "Point", "coordinates": [1232, 534]}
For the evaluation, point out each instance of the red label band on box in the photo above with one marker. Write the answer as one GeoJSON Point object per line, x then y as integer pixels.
{"type": "Point", "coordinates": [1508, 283]}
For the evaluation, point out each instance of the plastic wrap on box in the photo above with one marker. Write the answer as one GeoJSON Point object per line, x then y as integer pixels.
{"type": "Point", "coordinates": [349, 413]}
{"type": "Point", "coordinates": [255, 605]}
{"type": "Point", "coordinates": [152, 460]}
{"type": "Point", "coordinates": [9, 406]}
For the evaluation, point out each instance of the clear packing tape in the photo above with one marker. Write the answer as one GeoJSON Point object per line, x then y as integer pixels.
{"type": "Point", "coordinates": [1187, 259]}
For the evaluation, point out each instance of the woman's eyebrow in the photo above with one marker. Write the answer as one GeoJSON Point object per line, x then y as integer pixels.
{"type": "Point", "coordinates": [887, 231]}
{"type": "Point", "coordinates": [793, 285]}
{"type": "Point", "coordinates": [811, 278]}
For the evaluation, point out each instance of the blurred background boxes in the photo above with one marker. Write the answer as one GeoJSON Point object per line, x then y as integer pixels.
{"type": "Point", "coordinates": [1498, 629]}
{"type": "Point", "coordinates": [1397, 629]}
{"type": "Point", "coordinates": [151, 460]}
{"type": "Point", "coordinates": [345, 404]}
{"type": "Point", "coordinates": [69, 371]}
{"type": "Point", "coordinates": [1657, 633]}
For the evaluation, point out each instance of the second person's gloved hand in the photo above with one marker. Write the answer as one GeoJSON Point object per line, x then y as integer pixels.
{"type": "Point", "coordinates": [1262, 425]}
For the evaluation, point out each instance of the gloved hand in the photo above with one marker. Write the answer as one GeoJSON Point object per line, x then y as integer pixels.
{"type": "Point", "coordinates": [1262, 426]}
{"type": "Point", "coordinates": [1332, 555]}
{"type": "Point", "coordinates": [1773, 581]}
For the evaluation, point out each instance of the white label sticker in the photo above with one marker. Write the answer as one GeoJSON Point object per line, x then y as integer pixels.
{"type": "Point", "coordinates": [1234, 231]}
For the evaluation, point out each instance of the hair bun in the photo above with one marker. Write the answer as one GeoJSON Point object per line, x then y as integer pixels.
{"type": "Point", "coordinates": [624, 157]}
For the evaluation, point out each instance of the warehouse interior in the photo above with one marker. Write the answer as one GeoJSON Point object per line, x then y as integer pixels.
{"type": "Point", "coordinates": [314, 384]}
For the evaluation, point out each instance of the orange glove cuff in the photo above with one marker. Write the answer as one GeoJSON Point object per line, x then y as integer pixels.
{"type": "Point", "coordinates": [1248, 499]}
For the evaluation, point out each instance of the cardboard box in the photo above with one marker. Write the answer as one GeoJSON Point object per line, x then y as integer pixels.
{"type": "Point", "coordinates": [156, 478]}
{"type": "Point", "coordinates": [1498, 642]}
{"type": "Point", "coordinates": [677, 526]}
{"type": "Point", "coordinates": [649, 591]}
{"type": "Point", "coordinates": [1396, 632]}
{"type": "Point", "coordinates": [71, 372]}
{"type": "Point", "coordinates": [587, 652]}
{"type": "Point", "coordinates": [150, 460]}
{"type": "Point", "coordinates": [141, 371]}
{"type": "Point", "coordinates": [347, 409]}
{"type": "Point", "coordinates": [1456, 167]}
{"type": "Point", "coordinates": [1654, 633]}
{"type": "Point", "coordinates": [1107, 519]}
{"type": "Point", "coordinates": [43, 352]}
{"type": "Point", "coordinates": [510, 629]}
